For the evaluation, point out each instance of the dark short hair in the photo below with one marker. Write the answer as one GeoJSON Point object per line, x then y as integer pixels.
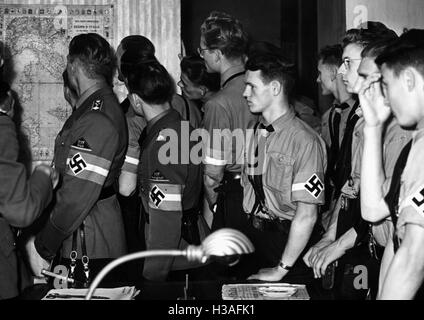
{"type": "Point", "coordinates": [152, 82]}
{"type": "Point", "coordinates": [224, 32]}
{"type": "Point", "coordinates": [373, 50]}
{"type": "Point", "coordinates": [274, 67]}
{"type": "Point", "coordinates": [132, 58]}
{"type": "Point", "coordinates": [407, 51]}
{"type": "Point", "coordinates": [194, 68]}
{"type": "Point", "coordinates": [368, 33]}
{"type": "Point", "coordinates": [140, 45]}
{"type": "Point", "coordinates": [95, 54]}
{"type": "Point", "coordinates": [331, 55]}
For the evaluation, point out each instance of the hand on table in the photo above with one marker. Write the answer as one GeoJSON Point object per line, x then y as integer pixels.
{"type": "Point", "coordinates": [270, 275]}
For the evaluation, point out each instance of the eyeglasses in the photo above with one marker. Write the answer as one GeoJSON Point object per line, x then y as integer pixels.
{"type": "Point", "coordinates": [200, 51]}
{"type": "Point", "coordinates": [347, 61]}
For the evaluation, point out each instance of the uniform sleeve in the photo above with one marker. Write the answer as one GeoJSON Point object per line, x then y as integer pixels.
{"type": "Point", "coordinates": [88, 164]}
{"type": "Point", "coordinates": [391, 155]}
{"type": "Point", "coordinates": [165, 191]}
{"type": "Point", "coordinates": [21, 201]}
{"type": "Point", "coordinates": [308, 174]}
{"type": "Point", "coordinates": [136, 125]}
{"type": "Point", "coordinates": [218, 147]}
{"type": "Point", "coordinates": [412, 196]}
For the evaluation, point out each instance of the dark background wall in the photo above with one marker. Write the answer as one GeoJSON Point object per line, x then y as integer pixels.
{"type": "Point", "coordinates": [299, 27]}
{"type": "Point", "coordinates": [262, 19]}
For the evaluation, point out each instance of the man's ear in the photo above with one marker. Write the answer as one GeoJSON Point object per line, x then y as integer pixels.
{"type": "Point", "coordinates": [276, 87]}
{"type": "Point", "coordinates": [410, 79]}
{"type": "Point", "coordinates": [218, 55]}
{"type": "Point", "coordinates": [334, 73]}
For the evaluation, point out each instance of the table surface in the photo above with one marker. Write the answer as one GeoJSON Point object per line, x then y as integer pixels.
{"type": "Point", "coordinates": [204, 284]}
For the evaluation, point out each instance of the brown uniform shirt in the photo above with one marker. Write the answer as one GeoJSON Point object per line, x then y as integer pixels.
{"type": "Point", "coordinates": [412, 182]}
{"type": "Point", "coordinates": [325, 123]}
{"type": "Point", "coordinates": [226, 110]}
{"type": "Point", "coordinates": [395, 139]}
{"type": "Point", "coordinates": [295, 162]}
{"type": "Point", "coordinates": [136, 124]}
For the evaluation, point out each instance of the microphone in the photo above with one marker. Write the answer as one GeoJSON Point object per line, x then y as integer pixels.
{"type": "Point", "coordinates": [224, 245]}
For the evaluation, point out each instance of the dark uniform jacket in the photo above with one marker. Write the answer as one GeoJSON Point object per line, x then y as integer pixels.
{"type": "Point", "coordinates": [167, 190]}
{"type": "Point", "coordinates": [89, 153]}
{"type": "Point", "coordinates": [20, 203]}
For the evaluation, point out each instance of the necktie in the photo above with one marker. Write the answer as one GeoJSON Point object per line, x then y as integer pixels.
{"type": "Point", "coordinates": [335, 137]}
{"type": "Point", "coordinates": [269, 128]}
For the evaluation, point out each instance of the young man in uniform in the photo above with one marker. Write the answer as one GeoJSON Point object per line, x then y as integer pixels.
{"type": "Point", "coordinates": [334, 121]}
{"type": "Point", "coordinates": [86, 220]}
{"type": "Point", "coordinates": [223, 45]}
{"type": "Point", "coordinates": [139, 49]}
{"type": "Point", "coordinates": [21, 201]}
{"type": "Point", "coordinates": [283, 191]}
{"type": "Point", "coordinates": [398, 89]}
{"type": "Point", "coordinates": [347, 239]}
{"type": "Point", "coordinates": [169, 191]}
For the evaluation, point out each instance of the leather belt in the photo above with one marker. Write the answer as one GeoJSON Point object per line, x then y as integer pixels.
{"type": "Point", "coordinates": [232, 176]}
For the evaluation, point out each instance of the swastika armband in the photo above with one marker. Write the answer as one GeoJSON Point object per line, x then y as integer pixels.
{"type": "Point", "coordinates": [165, 197]}
{"type": "Point", "coordinates": [314, 186]}
{"type": "Point", "coordinates": [77, 164]}
{"type": "Point", "coordinates": [416, 201]}
{"type": "Point", "coordinates": [86, 166]}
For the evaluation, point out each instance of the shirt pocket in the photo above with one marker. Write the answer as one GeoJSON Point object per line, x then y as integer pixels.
{"type": "Point", "coordinates": [279, 172]}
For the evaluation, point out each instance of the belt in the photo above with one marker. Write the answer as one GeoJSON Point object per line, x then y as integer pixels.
{"type": "Point", "coordinates": [232, 175]}
{"type": "Point", "coordinates": [263, 224]}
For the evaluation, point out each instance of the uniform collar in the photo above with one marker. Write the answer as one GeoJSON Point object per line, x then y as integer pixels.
{"type": "Point", "coordinates": [158, 119]}
{"type": "Point", "coordinates": [231, 72]}
{"type": "Point", "coordinates": [350, 103]}
{"type": "Point", "coordinates": [419, 132]}
{"type": "Point", "coordinates": [281, 122]}
{"type": "Point", "coordinates": [420, 125]}
{"type": "Point", "coordinates": [87, 93]}
{"type": "Point", "coordinates": [86, 104]}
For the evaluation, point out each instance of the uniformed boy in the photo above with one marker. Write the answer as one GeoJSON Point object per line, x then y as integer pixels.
{"type": "Point", "coordinates": [346, 241]}
{"type": "Point", "coordinates": [169, 189]}
{"type": "Point", "coordinates": [334, 121]}
{"type": "Point", "coordinates": [399, 90]}
{"type": "Point", "coordinates": [283, 177]}
{"type": "Point", "coordinates": [223, 45]}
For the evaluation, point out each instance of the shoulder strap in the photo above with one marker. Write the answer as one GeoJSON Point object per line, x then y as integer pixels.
{"type": "Point", "coordinates": [257, 184]}
{"type": "Point", "coordinates": [392, 197]}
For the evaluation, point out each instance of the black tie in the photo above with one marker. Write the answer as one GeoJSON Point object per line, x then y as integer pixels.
{"type": "Point", "coordinates": [269, 128]}
{"type": "Point", "coordinates": [335, 140]}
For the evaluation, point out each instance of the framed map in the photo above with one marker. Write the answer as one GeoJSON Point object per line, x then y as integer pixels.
{"type": "Point", "coordinates": [36, 39]}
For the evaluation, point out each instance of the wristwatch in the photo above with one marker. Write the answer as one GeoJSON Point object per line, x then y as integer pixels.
{"type": "Point", "coordinates": [282, 265]}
